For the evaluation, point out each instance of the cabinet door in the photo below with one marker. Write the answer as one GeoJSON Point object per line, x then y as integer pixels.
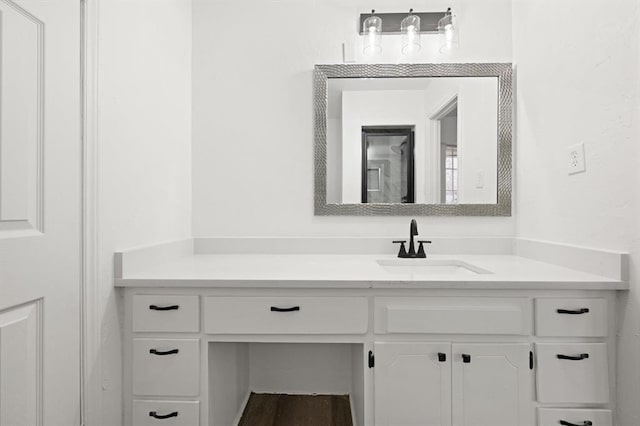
{"type": "Point", "coordinates": [491, 385]}
{"type": "Point", "coordinates": [412, 384]}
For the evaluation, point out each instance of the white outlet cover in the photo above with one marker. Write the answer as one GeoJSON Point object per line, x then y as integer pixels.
{"type": "Point", "coordinates": [348, 53]}
{"type": "Point", "coordinates": [575, 159]}
{"type": "Point", "coordinates": [480, 179]}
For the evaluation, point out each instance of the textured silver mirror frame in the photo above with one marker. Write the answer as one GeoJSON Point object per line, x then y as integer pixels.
{"type": "Point", "coordinates": [504, 73]}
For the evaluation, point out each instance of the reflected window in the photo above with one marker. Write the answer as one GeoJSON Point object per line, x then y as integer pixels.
{"type": "Point", "coordinates": [388, 164]}
{"type": "Point", "coordinates": [451, 174]}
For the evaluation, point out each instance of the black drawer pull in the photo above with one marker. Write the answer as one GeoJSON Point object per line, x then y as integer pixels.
{"type": "Point", "coordinates": [164, 308]}
{"type": "Point", "coordinates": [292, 309]}
{"type": "Point", "coordinates": [585, 423]}
{"type": "Point", "coordinates": [573, 312]}
{"type": "Point", "coordinates": [157, 352]}
{"type": "Point", "coordinates": [442, 357]}
{"type": "Point", "coordinates": [466, 358]}
{"type": "Point", "coordinates": [162, 416]}
{"type": "Point", "coordinates": [573, 358]}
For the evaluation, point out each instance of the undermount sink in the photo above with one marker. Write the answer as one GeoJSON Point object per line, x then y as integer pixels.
{"type": "Point", "coordinates": [430, 267]}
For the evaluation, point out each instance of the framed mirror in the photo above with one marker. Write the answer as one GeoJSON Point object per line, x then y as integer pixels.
{"type": "Point", "coordinates": [413, 139]}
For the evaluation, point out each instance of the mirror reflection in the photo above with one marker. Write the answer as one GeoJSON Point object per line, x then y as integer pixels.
{"type": "Point", "coordinates": [387, 165]}
{"type": "Point", "coordinates": [412, 140]}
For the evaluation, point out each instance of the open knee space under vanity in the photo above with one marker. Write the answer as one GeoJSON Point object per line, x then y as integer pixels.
{"type": "Point", "coordinates": [270, 372]}
{"type": "Point", "coordinates": [386, 356]}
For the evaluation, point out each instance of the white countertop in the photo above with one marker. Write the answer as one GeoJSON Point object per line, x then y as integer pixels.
{"type": "Point", "coordinates": [355, 271]}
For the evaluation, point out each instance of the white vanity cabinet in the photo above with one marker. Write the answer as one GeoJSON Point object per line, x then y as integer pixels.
{"type": "Point", "coordinates": [453, 383]}
{"type": "Point", "coordinates": [163, 359]}
{"type": "Point", "coordinates": [405, 356]}
{"type": "Point", "coordinates": [574, 360]}
{"type": "Point", "coordinates": [491, 384]}
{"type": "Point", "coordinates": [412, 383]}
{"type": "Point", "coordinates": [440, 384]}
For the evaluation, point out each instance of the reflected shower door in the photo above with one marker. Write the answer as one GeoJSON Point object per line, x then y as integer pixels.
{"type": "Point", "coordinates": [388, 165]}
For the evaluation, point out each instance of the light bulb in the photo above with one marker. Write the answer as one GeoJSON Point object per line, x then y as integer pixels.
{"type": "Point", "coordinates": [373, 35]}
{"type": "Point", "coordinates": [410, 29]}
{"type": "Point", "coordinates": [448, 32]}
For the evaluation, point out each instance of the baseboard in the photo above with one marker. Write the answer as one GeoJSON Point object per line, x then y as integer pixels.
{"type": "Point", "coordinates": [236, 422]}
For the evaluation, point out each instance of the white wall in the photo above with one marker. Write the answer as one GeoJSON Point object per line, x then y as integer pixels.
{"type": "Point", "coordinates": [578, 81]}
{"type": "Point", "coordinates": [144, 154]}
{"type": "Point", "coordinates": [253, 110]}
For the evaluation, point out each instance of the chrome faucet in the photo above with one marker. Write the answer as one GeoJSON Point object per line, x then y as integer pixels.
{"type": "Point", "coordinates": [412, 254]}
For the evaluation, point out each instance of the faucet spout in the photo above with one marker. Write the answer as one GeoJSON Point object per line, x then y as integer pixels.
{"type": "Point", "coordinates": [413, 231]}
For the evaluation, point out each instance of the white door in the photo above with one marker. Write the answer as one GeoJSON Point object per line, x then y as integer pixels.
{"type": "Point", "coordinates": [412, 384]}
{"type": "Point", "coordinates": [491, 385]}
{"type": "Point", "coordinates": [40, 212]}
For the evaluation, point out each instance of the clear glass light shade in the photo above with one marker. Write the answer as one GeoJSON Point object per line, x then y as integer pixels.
{"type": "Point", "coordinates": [410, 29]}
{"type": "Point", "coordinates": [448, 33]}
{"type": "Point", "coordinates": [372, 29]}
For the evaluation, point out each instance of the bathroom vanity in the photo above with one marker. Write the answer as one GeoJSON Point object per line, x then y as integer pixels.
{"type": "Point", "coordinates": [479, 339]}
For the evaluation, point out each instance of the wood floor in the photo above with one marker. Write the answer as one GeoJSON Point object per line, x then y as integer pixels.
{"type": "Point", "coordinates": [265, 409]}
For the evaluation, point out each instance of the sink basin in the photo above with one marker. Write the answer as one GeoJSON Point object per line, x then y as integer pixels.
{"type": "Point", "coordinates": [430, 267]}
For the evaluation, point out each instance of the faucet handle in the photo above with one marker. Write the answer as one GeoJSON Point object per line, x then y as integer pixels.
{"type": "Point", "coordinates": [421, 252]}
{"type": "Point", "coordinates": [403, 249]}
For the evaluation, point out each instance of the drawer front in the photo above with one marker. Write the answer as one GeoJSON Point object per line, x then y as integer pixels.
{"type": "Point", "coordinates": [453, 315]}
{"type": "Point", "coordinates": [569, 317]}
{"type": "Point", "coordinates": [167, 367]}
{"type": "Point", "coordinates": [573, 373]}
{"type": "Point", "coordinates": [553, 417]}
{"type": "Point", "coordinates": [286, 315]}
{"type": "Point", "coordinates": [166, 413]}
{"type": "Point", "coordinates": [166, 313]}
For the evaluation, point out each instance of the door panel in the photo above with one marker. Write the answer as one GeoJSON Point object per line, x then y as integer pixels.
{"type": "Point", "coordinates": [21, 118]}
{"type": "Point", "coordinates": [492, 385]}
{"type": "Point", "coordinates": [20, 366]}
{"type": "Point", "coordinates": [40, 212]}
{"type": "Point", "coordinates": [412, 386]}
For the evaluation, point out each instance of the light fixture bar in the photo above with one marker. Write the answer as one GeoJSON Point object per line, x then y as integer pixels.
{"type": "Point", "coordinates": [391, 21]}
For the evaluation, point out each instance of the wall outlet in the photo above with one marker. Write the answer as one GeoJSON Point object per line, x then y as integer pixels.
{"type": "Point", "coordinates": [575, 155]}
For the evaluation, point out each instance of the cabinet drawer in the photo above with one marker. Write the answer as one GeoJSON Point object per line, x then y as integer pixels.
{"type": "Point", "coordinates": [453, 315]}
{"type": "Point", "coordinates": [168, 367]}
{"type": "Point", "coordinates": [166, 313]}
{"type": "Point", "coordinates": [553, 417]}
{"type": "Point", "coordinates": [166, 413]}
{"type": "Point", "coordinates": [285, 315]}
{"type": "Point", "coordinates": [573, 373]}
{"type": "Point", "coordinates": [571, 317]}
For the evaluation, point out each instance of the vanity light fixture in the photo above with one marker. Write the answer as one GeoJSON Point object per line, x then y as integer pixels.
{"type": "Point", "coordinates": [372, 30]}
{"type": "Point", "coordinates": [448, 32]}
{"type": "Point", "coordinates": [410, 29]}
